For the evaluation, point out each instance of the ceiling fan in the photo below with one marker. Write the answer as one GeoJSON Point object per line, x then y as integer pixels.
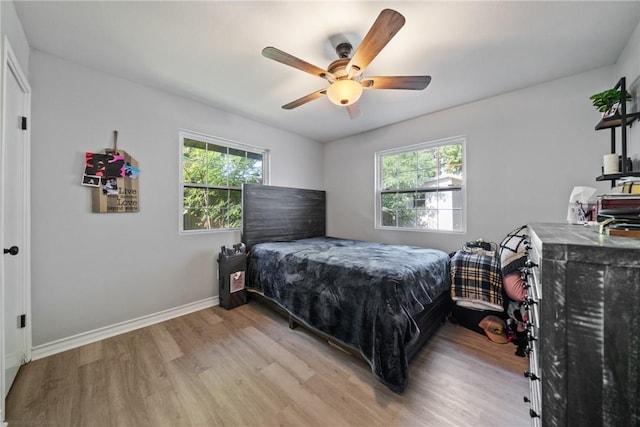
{"type": "Point", "coordinates": [345, 74]}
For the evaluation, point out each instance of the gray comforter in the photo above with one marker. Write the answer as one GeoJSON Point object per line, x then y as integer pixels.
{"type": "Point", "coordinates": [362, 294]}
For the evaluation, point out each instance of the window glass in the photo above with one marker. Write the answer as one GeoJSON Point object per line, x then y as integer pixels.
{"type": "Point", "coordinates": [422, 187]}
{"type": "Point", "coordinates": [212, 173]}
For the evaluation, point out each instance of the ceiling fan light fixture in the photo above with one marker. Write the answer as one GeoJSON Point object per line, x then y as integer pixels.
{"type": "Point", "coordinates": [344, 92]}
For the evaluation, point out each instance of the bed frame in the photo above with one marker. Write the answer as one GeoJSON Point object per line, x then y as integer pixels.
{"type": "Point", "coordinates": [272, 214]}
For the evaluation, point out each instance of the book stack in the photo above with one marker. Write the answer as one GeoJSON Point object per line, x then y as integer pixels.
{"type": "Point", "coordinates": [631, 187]}
{"type": "Point", "coordinates": [619, 214]}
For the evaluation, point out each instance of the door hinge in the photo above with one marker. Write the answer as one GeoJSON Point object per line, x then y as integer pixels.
{"type": "Point", "coordinates": [24, 123]}
{"type": "Point", "coordinates": [22, 320]}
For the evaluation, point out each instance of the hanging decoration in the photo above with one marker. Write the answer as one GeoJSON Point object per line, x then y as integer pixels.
{"type": "Point", "coordinates": [113, 174]}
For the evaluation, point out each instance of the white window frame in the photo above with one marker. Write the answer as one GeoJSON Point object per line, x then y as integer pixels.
{"type": "Point", "coordinates": [417, 147]}
{"type": "Point", "coordinates": [185, 134]}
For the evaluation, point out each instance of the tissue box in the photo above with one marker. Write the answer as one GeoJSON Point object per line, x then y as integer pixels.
{"type": "Point", "coordinates": [581, 213]}
{"type": "Point", "coordinates": [581, 206]}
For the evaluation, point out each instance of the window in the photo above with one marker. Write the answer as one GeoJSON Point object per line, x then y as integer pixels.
{"type": "Point", "coordinates": [421, 187]}
{"type": "Point", "coordinates": [212, 173]}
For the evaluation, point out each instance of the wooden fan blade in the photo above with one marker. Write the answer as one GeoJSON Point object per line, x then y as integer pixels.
{"type": "Point", "coordinates": [354, 110]}
{"type": "Point", "coordinates": [292, 61]}
{"type": "Point", "coordinates": [304, 99]}
{"type": "Point", "coordinates": [396, 82]}
{"type": "Point", "coordinates": [381, 32]}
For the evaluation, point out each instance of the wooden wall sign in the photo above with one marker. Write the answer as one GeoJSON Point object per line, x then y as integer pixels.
{"type": "Point", "coordinates": [122, 197]}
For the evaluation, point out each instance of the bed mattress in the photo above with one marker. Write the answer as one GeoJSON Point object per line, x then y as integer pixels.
{"type": "Point", "coordinates": [363, 294]}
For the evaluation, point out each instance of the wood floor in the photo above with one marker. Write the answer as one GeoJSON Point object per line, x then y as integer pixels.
{"type": "Point", "coordinates": [245, 367]}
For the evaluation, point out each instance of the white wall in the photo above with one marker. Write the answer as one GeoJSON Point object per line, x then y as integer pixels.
{"type": "Point", "coordinates": [628, 65]}
{"type": "Point", "coordinates": [94, 270]}
{"type": "Point", "coordinates": [526, 150]}
{"type": "Point", "coordinates": [12, 29]}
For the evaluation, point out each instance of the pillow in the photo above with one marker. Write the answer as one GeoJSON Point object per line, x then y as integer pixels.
{"type": "Point", "coordinates": [512, 250]}
{"type": "Point", "coordinates": [514, 286]}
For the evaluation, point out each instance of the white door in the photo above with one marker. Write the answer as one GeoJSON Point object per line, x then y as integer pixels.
{"type": "Point", "coordinates": [15, 226]}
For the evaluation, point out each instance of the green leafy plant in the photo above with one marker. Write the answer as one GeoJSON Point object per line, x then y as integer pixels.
{"type": "Point", "coordinates": [604, 100]}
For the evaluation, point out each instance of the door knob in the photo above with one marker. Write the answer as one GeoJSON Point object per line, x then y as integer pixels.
{"type": "Point", "coordinates": [13, 250]}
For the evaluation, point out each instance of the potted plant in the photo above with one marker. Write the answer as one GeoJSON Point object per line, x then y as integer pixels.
{"type": "Point", "coordinates": [608, 101]}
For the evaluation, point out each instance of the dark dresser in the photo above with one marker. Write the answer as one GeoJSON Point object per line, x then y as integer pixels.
{"type": "Point", "coordinates": [584, 327]}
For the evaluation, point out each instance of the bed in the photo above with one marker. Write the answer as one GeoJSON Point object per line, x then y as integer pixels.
{"type": "Point", "coordinates": [380, 302]}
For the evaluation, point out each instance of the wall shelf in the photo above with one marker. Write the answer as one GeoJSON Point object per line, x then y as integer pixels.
{"type": "Point", "coordinates": [616, 121]}
{"type": "Point", "coordinates": [616, 176]}
{"type": "Point", "coordinates": [621, 119]}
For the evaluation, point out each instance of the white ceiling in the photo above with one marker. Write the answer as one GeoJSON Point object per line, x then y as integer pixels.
{"type": "Point", "coordinates": [210, 51]}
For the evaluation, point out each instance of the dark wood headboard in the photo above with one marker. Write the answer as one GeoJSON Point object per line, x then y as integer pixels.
{"type": "Point", "coordinates": [273, 214]}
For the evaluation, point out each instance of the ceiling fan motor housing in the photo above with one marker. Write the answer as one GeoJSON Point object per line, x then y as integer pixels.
{"type": "Point", "coordinates": [339, 68]}
{"type": "Point", "coordinates": [344, 50]}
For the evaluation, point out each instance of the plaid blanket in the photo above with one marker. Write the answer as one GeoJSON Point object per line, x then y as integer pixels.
{"type": "Point", "coordinates": [476, 281]}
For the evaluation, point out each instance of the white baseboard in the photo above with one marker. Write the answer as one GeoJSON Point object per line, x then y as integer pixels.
{"type": "Point", "coordinates": [64, 344]}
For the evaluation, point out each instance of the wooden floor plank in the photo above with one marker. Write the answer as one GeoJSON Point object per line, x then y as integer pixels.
{"type": "Point", "coordinates": [210, 316]}
{"type": "Point", "coordinates": [164, 409]}
{"type": "Point", "coordinates": [60, 385]}
{"type": "Point", "coordinates": [228, 395]}
{"type": "Point", "coordinates": [168, 347]}
{"type": "Point", "coordinates": [92, 396]}
{"type": "Point", "coordinates": [27, 392]}
{"type": "Point", "coordinates": [90, 353]}
{"type": "Point", "coordinates": [284, 383]}
{"type": "Point", "coordinates": [275, 351]}
{"type": "Point", "coordinates": [192, 392]}
{"type": "Point", "coordinates": [354, 409]}
{"type": "Point", "coordinates": [244, 366]}
{"type": "Point", "coordinates": [126, 401]}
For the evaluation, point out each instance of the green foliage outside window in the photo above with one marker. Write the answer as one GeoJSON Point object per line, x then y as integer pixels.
{"type": "Point", "coordinates": [420, 189]}
{"type": "Point", "coordinates": [212, 178]}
